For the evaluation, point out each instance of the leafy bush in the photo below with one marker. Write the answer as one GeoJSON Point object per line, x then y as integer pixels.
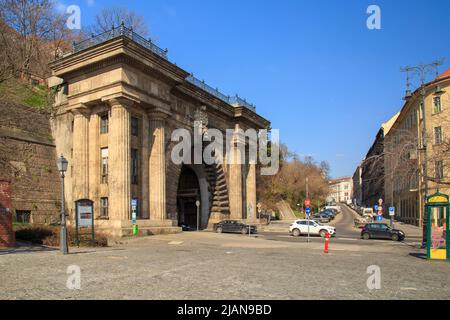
{"type": "Point", "coordinates": [48, 235]}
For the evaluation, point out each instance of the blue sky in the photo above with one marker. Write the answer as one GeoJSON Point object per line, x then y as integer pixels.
{"type": "Point", "coordinates": [311, 67]}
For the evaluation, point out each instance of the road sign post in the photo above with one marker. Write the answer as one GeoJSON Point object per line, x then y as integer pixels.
{"type": "Point", "coordinates": [392, 215]}
{"type": "Point", "coordinates": [308, 212]}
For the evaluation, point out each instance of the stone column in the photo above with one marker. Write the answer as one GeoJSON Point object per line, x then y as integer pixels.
{"type": "Point", "coordinates": [236, 177]}
{"type": "Point", "coordinates": [119, 176]}
{"type": "Point", "coordinates": [144, 168]}
{"type": "Point", "coordinates": [157, 167]}
{"type": "Point", "coordinates": [80, 159]}
{"type": "Point", "coordinates": [251, 190]}
{"type": "Point", "coordinates": [94, 161]}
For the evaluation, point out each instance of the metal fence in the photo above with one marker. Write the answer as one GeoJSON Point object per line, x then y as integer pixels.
{"type": "Point", "coordinates": [120, 31]}
{"type": "Point", "coordinates": [123, 31]}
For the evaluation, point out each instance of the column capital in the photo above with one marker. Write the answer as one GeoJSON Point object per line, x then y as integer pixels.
{"type": "Point", "coordinates": [120, 100]}
{"type": "Point", "coordinates": [80, 109]}
{"type": "Point", "coordinates": [158, 114]}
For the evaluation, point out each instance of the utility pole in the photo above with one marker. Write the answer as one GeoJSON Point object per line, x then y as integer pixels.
{"type": "Point", "coordinates": [307, 190]}
{"type": "Point", "coordinates": [421, 71]}
{"type": "Point", "coordinates": [307, 197]}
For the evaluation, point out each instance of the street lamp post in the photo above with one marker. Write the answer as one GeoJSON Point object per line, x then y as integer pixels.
{"type": "Point", "coordinates": [197, 204]}
{"type": "Point", "coordinates": [422, 70]}
{"type": "Point", "coordinates": [62, 164]}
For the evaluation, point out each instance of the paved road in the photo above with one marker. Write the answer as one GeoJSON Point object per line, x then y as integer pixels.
{"type": "Point", "coordinates": [222, 266]}
{"type": "Point", "coordinates": [346, 233]}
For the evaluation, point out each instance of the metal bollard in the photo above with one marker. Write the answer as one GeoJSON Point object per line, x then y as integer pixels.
{"type": "Point", "coordinates": [327, 239]}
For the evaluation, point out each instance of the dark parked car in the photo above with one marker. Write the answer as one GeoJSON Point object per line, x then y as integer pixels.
{"type": "Point", "coordinates": [233, 226]}
{"type": "Point", "coordinates": [322, 218]}
{"type": "Point", "coordinates": [330, 213]}
{"type": "Point", "coordinates": [381, 231]}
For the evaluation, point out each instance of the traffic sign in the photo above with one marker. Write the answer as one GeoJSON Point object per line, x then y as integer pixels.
{"type": "Point", "coordinates": [375, 207]}
{"type": "Point", "coordinates": [307, 202]}
{"type": "Point", "coordinates": [308, 211]}
{"type": "Point", "coordinates": [392, 211]}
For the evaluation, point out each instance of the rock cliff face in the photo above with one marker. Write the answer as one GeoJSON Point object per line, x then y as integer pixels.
{"type": "Point", "coordinates": [28, 160]}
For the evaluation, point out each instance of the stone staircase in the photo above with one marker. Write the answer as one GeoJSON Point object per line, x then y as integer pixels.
{"type": "Point", "coordinates": [220, 205]}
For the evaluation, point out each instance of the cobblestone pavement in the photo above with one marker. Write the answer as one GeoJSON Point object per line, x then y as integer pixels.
{"type": "Point", "coordinates": [223, 266]}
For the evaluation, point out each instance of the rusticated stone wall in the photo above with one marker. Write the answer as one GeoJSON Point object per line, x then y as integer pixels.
{"type": "Point", "coordinates": [28, 160]}
{"type": "Point", "coordinates": [7, 238]}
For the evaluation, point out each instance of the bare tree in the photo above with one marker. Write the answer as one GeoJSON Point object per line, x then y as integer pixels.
{"type": "Point", "coordinates": [32, 32]}
{"type": "Point", "coordinates": [290, 182]}
{"type": "Point", "coordinates": [109, 17]}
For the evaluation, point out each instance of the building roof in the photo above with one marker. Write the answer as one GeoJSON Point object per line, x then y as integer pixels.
{"type": "Point", "coordinates": [388, 124]}
{"type": "Point", "coordinates": [339, 180]}
{"type": "Point", "coordinates": [444, 75]}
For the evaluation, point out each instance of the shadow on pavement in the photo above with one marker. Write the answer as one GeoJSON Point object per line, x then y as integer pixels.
{"type": "Point", "coordinates": [418, 255]}
{"type": "Point", "coordinates": [26, 248]}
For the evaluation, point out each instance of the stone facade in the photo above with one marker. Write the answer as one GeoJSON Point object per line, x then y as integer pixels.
{"type": "Point", "coordinates": [372, 168]}
{"type": "Point", "coordinates": [118, 107]}
{"type": "Point", "coordinates": [28, 160]}
{"type": "Point", "coordinates": [357, 186]}
{"type": "Point", "coordinates": [7, 237]}
{"type": "Point", "coordinates": [404, 163]}
{"type": "Point", "coordinates": [341, 190]}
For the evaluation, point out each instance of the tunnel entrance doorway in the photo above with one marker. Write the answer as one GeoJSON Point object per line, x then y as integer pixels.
{"type": "Point", "coordinates": [187, 195]}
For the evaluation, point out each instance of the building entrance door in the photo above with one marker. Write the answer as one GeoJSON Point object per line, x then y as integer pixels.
{"type": "Point", "coordinates": [188, 194]}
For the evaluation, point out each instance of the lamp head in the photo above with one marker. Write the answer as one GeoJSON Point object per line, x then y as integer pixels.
{"type": "Point", "coordinates": [62, 164]}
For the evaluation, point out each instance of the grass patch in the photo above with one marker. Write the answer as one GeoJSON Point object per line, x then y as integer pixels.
{"type": "Point", "coordinates": [299, 215]}
{"type": "Point", "coordinates": [21, 92]}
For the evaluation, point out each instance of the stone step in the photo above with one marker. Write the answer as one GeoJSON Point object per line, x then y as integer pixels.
{"type": "Point", "coordinates": [223, 197]}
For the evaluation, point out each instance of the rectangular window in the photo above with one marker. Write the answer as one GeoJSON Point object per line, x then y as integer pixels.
{"type": "Point", "coordinates": [104, 168]}
{"type": "Point", "coordinates": [134, 126]}
{"type": "Point", "coordinates": [104, 123]}
{"type": "Point", "coordinates": [23, 216]}
{"type": "Point", "coordinates": [104, 207]}
{"type": "Point", "coordinates": [438, 135]}
{"type": "Point", "coordinates": [437, 105]}
{"type": "Point", "coordinates": [439, 169]}
{"type": "Point", "coordinates": [134, 166]}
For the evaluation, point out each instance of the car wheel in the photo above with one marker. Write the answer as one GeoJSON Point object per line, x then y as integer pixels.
{"type": "Point", "coordinates": [322, 233]}
{"type": "Point", "coordinates": [219, 230]}
{"type": "Point", "coordinates": [366, 236]}
{"type": "Point", "coordinates": [394, 237]}
{"type": "Point", "coordinates": [244, 230]}
{"type": "Point", "coordinates": [296, 233]}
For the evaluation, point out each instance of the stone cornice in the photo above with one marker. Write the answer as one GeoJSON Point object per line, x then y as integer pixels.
{"type": "Point", "coordinates": [115, 51]}
{"type": "Point", "coordinates": [250, 118]}
{"type": "Point", "coordinates": [122, 52]}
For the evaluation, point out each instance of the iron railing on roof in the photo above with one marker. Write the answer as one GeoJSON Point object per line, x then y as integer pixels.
{"type": "Point", "coordinates": [235, 100]}
{"type": "Point", "coordinates": [116, 32]}
{"type": "Point", "coordinates": [238, 101]}
{"type": "Point", "coordinates": [123, 31]}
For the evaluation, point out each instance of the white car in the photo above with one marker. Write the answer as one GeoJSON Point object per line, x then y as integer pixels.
{"type": "Point", "coordinates": [300, 227]}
